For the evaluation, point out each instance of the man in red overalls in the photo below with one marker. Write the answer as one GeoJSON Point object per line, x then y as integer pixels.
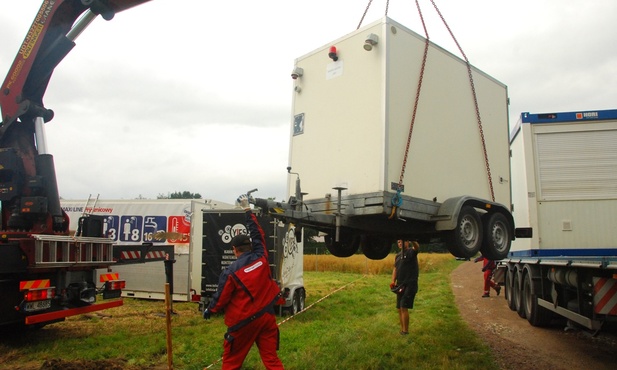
{"type": "Point", "coordinates": [247, 293]}
{"type": "Point", "coordinates": [488, 268]}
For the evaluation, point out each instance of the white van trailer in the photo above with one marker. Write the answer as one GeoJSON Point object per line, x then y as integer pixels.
{"type": "Point", "coordinates": [363, 184]}
{"type": "Point", "coordinates": [138, 221]}
{"type": "Point", "coordinates": [564, 173]}
{"type": "Point", "coordinates": [285, 254]}
{"type": "Point", "coordinates": [199, 231]}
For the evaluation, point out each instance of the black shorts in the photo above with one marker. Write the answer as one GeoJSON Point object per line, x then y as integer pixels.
{"type": "Point", "coordinates": [406, 299]}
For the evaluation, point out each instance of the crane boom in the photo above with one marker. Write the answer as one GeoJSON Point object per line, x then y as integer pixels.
{"type": "Point", "coordinates": [28, 189]}
{"type": "Point", "coordinates": [49, 39]}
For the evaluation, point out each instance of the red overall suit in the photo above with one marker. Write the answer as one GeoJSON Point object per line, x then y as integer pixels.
{"type": "Point", "coordinates": [488, 268]}
{"type": "Point", "coordinates": [246, 292]}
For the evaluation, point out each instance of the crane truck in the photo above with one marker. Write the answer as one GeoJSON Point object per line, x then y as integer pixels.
{"type": "Point", "coordinates": [564, 174]}
{"type": "Point", "coordinates": [46, 274]}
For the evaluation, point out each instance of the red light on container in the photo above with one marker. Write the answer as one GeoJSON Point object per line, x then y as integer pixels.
{"type": "Point", "coordinates": [332, 54]}
{"type": "Point", "coordinates": [115, 285]}
{"type": "Point", "coordinates": [39, 294]}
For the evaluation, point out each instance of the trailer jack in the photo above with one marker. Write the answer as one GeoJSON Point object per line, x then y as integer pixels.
{"type": "Point", "coordinates": [338, 214]}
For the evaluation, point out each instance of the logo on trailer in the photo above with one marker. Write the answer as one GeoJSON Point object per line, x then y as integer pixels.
{"type": "Point", "coordinates": [290, 245]}
{"type": "Point", "coordinates": [230, 231]}
{"type": "Point", "coordinates": [586, 115]}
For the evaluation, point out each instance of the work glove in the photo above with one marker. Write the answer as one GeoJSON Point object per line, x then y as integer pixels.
{"type": "Point", "coordinates": [243, 202]}
{"type": "Point", "coordinates": [207, 314]}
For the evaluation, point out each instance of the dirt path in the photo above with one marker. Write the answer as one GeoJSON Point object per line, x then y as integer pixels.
{"type": "Point", "coordinates": [518, 345]}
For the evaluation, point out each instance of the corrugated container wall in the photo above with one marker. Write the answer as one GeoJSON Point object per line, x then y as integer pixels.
{"type": "Point", "coordinates": [565, 186]}
{"type": "Point", "coordinates": [352, 117]}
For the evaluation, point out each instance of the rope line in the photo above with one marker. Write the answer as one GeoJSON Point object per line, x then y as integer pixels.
{"type": "Point", "coordinates": [305, 309]}
{"type": "Point", "coordinates": [321, 299]}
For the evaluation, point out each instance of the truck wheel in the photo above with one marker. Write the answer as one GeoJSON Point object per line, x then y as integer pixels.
{"type": "Point", "coordinates": [347, 245]}
{"type": "Point", "coordinates": [466, 238]}
{"type": "Point", "coordinates": [509, 289]}
{"type": "Point", "coordinates": [536, 314]}
{"type": "Point", "coordinates": [497, 238]}
{"type": "Point", "coordinates": [375, 247]}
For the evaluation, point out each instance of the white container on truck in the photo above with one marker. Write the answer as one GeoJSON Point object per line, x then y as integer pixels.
{"type": "Point", "coordinates": [564, 181]}
{"type": "Point", "coordinates": [446, 176]}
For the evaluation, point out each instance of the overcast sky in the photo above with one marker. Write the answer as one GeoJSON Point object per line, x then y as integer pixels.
{"type": "Point", "coordinates": [195, 95]}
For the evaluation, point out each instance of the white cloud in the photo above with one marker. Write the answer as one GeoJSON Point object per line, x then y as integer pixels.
{"type": "Point", "coordinates": [194, 95]}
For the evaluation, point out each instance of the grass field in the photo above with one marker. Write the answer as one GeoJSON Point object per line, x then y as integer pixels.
{"type": "Point", "coordinates": [355, 327]}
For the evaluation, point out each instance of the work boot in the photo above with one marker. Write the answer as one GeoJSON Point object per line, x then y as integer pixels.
{"type": "Point", "coordinates": [485, 295]}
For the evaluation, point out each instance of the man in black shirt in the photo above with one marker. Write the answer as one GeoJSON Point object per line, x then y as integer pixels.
{"type": "Point", "coordinates": [405, 277]}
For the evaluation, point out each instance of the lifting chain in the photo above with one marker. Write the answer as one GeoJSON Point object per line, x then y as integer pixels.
{"type": "Point", "coordinates": [475, 101]}
{"type": "Point", "coordinates": [366, 11]}
{"type": "Point", "coordinates": [397, 200]}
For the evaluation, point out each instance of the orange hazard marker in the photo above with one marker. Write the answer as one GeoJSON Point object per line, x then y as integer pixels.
{"type": "Point", "coordinates": [34, 284]}
{"type": "Point", "coordinates": [109, 277]}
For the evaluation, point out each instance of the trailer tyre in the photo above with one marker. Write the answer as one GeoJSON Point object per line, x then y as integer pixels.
{"type": "Point", "coordinates": [497, 237]}
{"type": "Point", "coordinates": [375, 247]}
{"type": "Point", "coordinates": [347, 245]}
{"type": "Point", "coordinates": [293, 309]}
{"type": "Point", "coordinates": [297, 302]}
{"type": "Point", "coordinates": [466, 238]}
{"type": "Point", "coordinates": [301, 300]}
{"type": "Point", "coordinates": [535, 314]}
{"type": "Point", "coordinates": [519, 298]}
{"type": "Point", "coordinates": [509, 289]}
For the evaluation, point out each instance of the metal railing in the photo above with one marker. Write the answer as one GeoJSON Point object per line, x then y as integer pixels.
{"type": "Point", "coordinates": [61, 251]}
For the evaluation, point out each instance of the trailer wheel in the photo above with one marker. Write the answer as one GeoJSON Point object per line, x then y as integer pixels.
{"type": "Point", "coordinates": [293, 309]}
{"type": "Point", "coordinates": [466, 238]}
{"type": "Point", "coordinates": [536, 314]}
{"type": "Point", "coordinates": [519, 298]}
{"type": "Point", "coordinates": [375, 247]}
{"type": "Point", "coordinates": [497, 238]}
{"type": "Point", "coordinates": [347, 245]}
{"type": "Point", "coordinates": [301, 300]}
{"type": "Point", "coordinates": [297, 302]}
{"type": "Point", "coordinates": [509, 293]}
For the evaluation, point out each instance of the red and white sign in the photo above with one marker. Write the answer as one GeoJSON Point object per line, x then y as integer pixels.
{"type": "Point", "coordinates": [605, 296]}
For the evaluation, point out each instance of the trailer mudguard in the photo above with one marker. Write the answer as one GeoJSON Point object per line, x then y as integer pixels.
{"type": "Point", "coordinates": [448, 212]}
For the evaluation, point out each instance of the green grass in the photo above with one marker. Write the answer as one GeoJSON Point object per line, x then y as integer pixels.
{"type": "Point", "coordinates": [354, 328]}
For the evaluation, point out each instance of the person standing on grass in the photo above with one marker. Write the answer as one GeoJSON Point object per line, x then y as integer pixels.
{"type": "Point", "coordinates": [405, 277]}
{"type": "Point", "coordinates": [488, 268]}
{"type": "Point", "coordinates": [247, 293]}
